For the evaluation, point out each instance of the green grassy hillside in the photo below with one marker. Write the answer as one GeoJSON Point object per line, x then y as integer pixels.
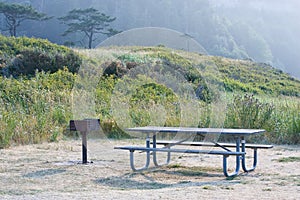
{"type": "Point", "coordinates": [236, 75]}
{"type": "Point", "coordinates": [137, 86]}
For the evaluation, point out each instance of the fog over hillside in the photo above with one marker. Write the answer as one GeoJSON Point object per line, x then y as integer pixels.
{"type": "Point", "coordinates": [261, 30]}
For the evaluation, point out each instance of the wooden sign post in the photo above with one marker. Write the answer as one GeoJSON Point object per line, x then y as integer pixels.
{"type": "Point", "coordinates": [84, 126]}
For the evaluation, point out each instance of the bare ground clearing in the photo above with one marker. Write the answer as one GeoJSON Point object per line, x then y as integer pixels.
{"type": "Point", "coordinates": [51, 171]}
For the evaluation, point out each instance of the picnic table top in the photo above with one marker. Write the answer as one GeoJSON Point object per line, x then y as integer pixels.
{"type": "Point", "coordinates": [190, 130]}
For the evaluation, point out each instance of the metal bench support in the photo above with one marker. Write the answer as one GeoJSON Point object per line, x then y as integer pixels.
{"type": "Point", "coordinates": [237, 167]}
{"type": "Point", "coordinates": [154, 155]}
{"type": "Point", "coordinates": [132, 161]}
{"type": "Point", "coordinates": [147, 157]}
{"type": "Point", "coordinates": [244, 158]}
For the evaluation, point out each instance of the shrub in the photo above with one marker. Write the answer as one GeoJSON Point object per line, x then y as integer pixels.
{"type": "Point", "coordinates": [23, 56]}
{"type": "Point", "coordinates": [145, 101]}
{"type": "Point", "coordinates": [112, 130]}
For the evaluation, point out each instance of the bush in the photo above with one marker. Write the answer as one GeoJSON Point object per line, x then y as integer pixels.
{"type": "Point", "coordinates": [23, 56]}
{"type": "Point", "coordinates": [112, 130]}
{"type": "Point", "coordinates": [146, 100]}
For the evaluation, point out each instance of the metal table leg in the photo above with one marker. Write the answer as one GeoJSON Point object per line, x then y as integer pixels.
{"type": "Point", "coordinates": [244, 158]}
{"type": "Point", "coordinates": [155, 157]}
{"type": "Point", "coordinates": [237, 167]}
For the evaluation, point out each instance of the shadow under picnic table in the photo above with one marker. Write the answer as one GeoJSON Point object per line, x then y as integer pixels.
{"type": "Point", "coordinates": [164, 178]}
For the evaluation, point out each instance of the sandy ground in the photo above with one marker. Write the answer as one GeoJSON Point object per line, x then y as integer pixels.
{"type": "Point", "coordinates": [53, 171]}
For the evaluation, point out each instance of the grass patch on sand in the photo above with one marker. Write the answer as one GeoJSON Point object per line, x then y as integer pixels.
{"type": "Point", "coordinates": [289, 159]}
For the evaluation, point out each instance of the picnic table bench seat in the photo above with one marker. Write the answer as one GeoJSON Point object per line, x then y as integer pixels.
{"type": "Point", "coordinates": [194, 151]}
{"type": "Point", "coordinates": [211, 144]}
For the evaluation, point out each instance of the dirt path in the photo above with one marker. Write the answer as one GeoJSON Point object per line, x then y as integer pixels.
{"type": "Point", "coordinates": [51, 171]}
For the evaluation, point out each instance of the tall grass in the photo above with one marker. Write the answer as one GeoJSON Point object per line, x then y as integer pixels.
{"type": "Point", "coordinates": [279, 116]}
{"type": "Point", "coordinates": [285, 123]}
{"type": "Point", "coordinates": [34, 110]}
{"type": "Point", "coordinates": [247, 111]}
{"type": "Point", "coordinates": [39, 109]}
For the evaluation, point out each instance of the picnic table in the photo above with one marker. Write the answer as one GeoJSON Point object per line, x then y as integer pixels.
{"type": "Point", "coordinates": [225, 149]}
